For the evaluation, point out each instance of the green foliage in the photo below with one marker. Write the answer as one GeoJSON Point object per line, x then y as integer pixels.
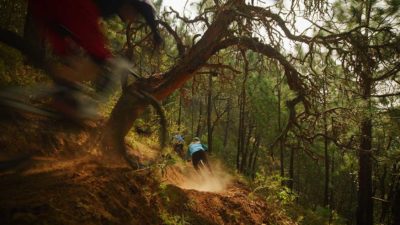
{"type": "Point", "coordinates": [169, 219]}
{"type": "Point", "coordinates": [272, 189]}
{"type": "Point", "coordinates": [319, 216]}
{"type": "Point", "coordinates": [9, 58]}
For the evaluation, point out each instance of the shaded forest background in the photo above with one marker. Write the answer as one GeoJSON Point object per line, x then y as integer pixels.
{"type": "Point", "coordinates": [310, 115]}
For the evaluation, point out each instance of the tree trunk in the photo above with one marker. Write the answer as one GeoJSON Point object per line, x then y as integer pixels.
{"type": "Point", "coordinates": [242, 116]}
{"type": "Point", "coordinates": [200, 120]}
{"type": "Point", "coordinates": [365, 203]}
{"type": "Point", "coordinates": [394, 195]}
{"type": "Point", "coordinates": [382, 190]}
{"type": "Point", "coordinates": [241, 133]}
{"type": "Point", "coordinates": [228, 120]}
{"type": "Point", "coordinates": [33, 40]}
{"type": "Point", "coordinates": [363, 68]}
{"type": "Point", "coordinates": [291, 166]}
{"type": "Point", "coordinates": [281, 154]}
{"type": "Point", "coordinates": [245, 156]}
{"type": "Point", "coordinates": [192, 107]}
{"type": "Point", "coordinates": [254, 160]}
{"type": "Point", "coordinates": [180, 112]}
{"type": "Point", "coordinates": [331, 192]}
{"type": "Point", "coordinates": [326, 152]}
{"type": "Point", "coordinates": [396, 206]}
{"type": "Point", "coordinates": [209, 113]}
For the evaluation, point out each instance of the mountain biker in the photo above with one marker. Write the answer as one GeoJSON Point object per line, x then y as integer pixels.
{"type": "Point", "coordinates": [178, 141]}
{"type": "Point", "coordinates": [72, 29]}
{"type": "Point", "coordinates": [197, 151]}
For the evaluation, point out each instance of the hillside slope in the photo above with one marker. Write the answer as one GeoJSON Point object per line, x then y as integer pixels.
{"type": "Point", "coordinates": [66, 183]}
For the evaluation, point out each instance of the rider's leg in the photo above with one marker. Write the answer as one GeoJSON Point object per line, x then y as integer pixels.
{"type": "Point", "coordinates": [68, 100]}
{"type": "Point", "coordinates": [204, 158]}
{"type": "Point", "coordinates": [180, 150]}
{"type": "Point", "coordinates": [196, 158]}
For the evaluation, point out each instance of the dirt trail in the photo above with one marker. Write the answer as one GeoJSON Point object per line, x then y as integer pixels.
{"type": "Point", "coordinates": [185, 177]}
{"type": "Point", "coordinates": [60, 188]}
{"type": "Point", "coordinates": [222, 199]}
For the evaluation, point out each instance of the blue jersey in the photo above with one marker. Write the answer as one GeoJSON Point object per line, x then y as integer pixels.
{"type": "Point", "coordinates": [178, 139]}
{"type": "Point", "coordinates": [195, 147]}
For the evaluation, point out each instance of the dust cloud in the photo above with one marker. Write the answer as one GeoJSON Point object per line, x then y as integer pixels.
{"type": "Point", "coordinates": [218, 181]}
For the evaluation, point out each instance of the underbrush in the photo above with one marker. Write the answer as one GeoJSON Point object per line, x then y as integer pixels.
{"type": "Point", "coordinates": [14, 71]}
{"type": "Point", "coordinates": [274, 190]}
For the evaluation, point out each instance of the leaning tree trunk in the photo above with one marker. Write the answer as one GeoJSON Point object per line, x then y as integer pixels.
{"type": "Point", "coordinates": [130, 105]}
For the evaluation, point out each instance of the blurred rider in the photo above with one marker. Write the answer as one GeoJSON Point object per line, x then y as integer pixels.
{"type": "Point", "coordinates": [72, 28]}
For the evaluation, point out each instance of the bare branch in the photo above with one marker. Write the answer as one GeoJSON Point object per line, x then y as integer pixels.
{"type": "Point", "coordinates": [292, 75]}
{"type": "Point", "coordinates": [179, 44]}
{"type": "Point", "coordinates": [386, 95]}
{"type": "Point", "coordinates": [199, 18]}
{"type": "Point", "coordinates": [390, 73]}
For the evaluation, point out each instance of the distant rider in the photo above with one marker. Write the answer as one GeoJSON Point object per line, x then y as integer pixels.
{"type": "Point", "coordinates": [178, 142]}
{"type": "Point", "coordinates": [197, 151]}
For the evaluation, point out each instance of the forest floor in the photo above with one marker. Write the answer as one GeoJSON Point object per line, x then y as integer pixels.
{"type": "Point", "coordinates": [67, 182]}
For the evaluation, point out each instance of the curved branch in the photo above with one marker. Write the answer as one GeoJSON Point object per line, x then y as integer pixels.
{"type": "Point", "coordinates": [249, 10]}
{"type": "Point", "coordinates": [291, 105]}
{"type": "Point", "coordinates": [293, 76]}
{"type": "Point", "coordinates": [199, 18]}
{"type": "Point", "coordinates": [388, 74]}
